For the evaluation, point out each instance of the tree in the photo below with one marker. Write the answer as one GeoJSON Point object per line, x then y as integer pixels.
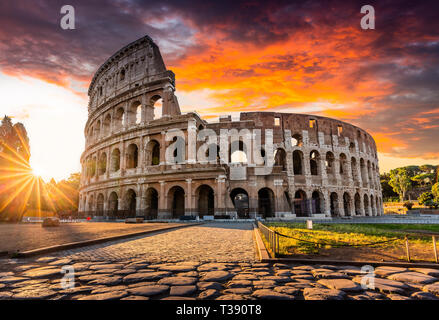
{"type": "Point", "coordinates": [435, 191]}
{"type": "Point", "coordinates": [15, 171]}
{"type": "Point", "coordinates": [386, 188]}
{"type": "Point", "coordinates": [400, 180]}
{"type": "Point", "coordinates": [425, 197]}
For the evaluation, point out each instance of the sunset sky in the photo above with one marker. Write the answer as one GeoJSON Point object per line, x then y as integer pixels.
{"type": "Point", "coordinates": [229, 56]}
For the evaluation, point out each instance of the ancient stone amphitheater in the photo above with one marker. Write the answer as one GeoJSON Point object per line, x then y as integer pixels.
{"type": "Point", "coordinates": [143, 157]}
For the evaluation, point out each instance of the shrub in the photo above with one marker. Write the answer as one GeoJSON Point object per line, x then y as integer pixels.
{"type": "Point", "coordinates": [431, 204]}
{"type": "Point", "coordinates": [425, 197]}
{"type": "Point", "coordinates": [408, 205]}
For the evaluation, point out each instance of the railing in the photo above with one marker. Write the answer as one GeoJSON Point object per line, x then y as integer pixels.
{"type": "Point", "coordinates": [271, 237]}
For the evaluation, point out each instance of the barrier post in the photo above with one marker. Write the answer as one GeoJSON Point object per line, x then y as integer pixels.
{"type": "Point", "coordinates": [435, 248]}
{"type": "Point", "coordinates": [407, 248]}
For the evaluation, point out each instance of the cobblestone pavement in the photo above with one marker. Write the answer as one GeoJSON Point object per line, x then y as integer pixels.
{"type": "Point", "coordinates": [28, 236]}
{"type": "Point", "coordinates": [145, 271]}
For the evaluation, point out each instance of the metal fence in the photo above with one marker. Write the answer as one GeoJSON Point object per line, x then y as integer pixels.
{"type": "Point", "coordinates": [271, 237]}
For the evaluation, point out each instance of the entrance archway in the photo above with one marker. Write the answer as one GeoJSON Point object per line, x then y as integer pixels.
{"type": "Point", "coordinates": [152, 204]}
{"type": "Point", "coordinates": [334, 205]}
{"type": "Point", "coordinates": [266, 202]}
{"type": "Point", "coordinates": [176, 203]}
{"type": "Point", "coordinates": [131, 203]}
{"type": "Point", "coordinates": [347, 204]}
{"type": "Point", "coordinates": [300, 205]}
{"type": "Point", "coordinates": [241, 202]}
{"type": "Point", "coordinates": [206, 201]}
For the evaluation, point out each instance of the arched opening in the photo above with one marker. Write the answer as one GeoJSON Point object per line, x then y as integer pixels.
{"type": "Point", "coordinates": [354, 169]}
{"type": "Point", "coordinates": [100, 205]}
{"type": "Point", "coordinates": [241, 202]}
{"type": "Point", "coordinates": [135, 113]}
{"type": "Point", "coordinates": [330, 163]}
{"type": "Point", "coordinates": [352, 147]}
{"type": "Point", "coordinates": [176, 197]}
{"type": "Point", "coordinates": [363, 170]}
{"type": "Point", "coordinates": [296, 140]}
{"type": "Point", "coordinates": [300, 204]}
{"type": "Point", "coordinates": [347, 204]}
{"type": "Point", "coordinates": [107, 124]}
{"type": "Point", "coordinates": [343, 165]}
{"type": "Point", "coordinates": [119, 119]}
{"type": "Point", "coordinates": [266, 202]}
{"type": "Point", "coordinates": [206, 201]}
{"type": "Point", "coordinates": [213, 152]}
{"type": "Point", "coordinates": [122, 75]}
{"type": "Point", "coordinates": [280, 159]}
{"type": "Point", "coordinates": [97, 129]}
{"type": "Point", "coordinates": [91, 205]}
{"type": "Point", "coordinates": [157, 104]}
{"type": "Point", "coordinates": [132, 156]}
{"type": "Point", "coordinates": [366, 205]}
{"type": "Point", "coordinates": [115, 160]}
{"type": "Point", "coordinates": [179, 154]}
{"type": "Point", "coordinates": [298, 162]}
{"type": "Point", "coordinates": [102, 167]}
{"type": "Point", "coordinates": [93, 167]}
{"type": "Point", "coordinates": [152, 204]}
{"type": "Point", "coordinates": [334, 205]}
{"type": "Point", "coordinates": [318, 202]}
{"type": "Point", "coordinates": [113, 205]}
{"type": "Point", "coordinates": [238, 152]}
{"type": "Point", "coordinates": [357, 204]}
{"type": "Point", "coordinates": [131, 203]}
{"type": "Point", "coordinates": [153, 153]}
{"type": "Point", "coordinates": [314, 159]}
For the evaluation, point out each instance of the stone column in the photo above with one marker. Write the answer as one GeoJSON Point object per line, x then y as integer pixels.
{"type": "Point", "coordinates": [306, 168]}
{"type": "Point", "coordinates": [123, 158]}
{"type": "Point", "coordinates": [188, 198]}
{"type": "Point", "coordinates": [220, 207]}
{"type": "Point", "coordinates": [336, 170]}
{"type": "Point", "coordinates": [163, 148]}
{"type": "Point", "coordinates": [163, 210]}
{"type": "Point", "coordinates": [107, 172]}
{"type": "Point", "coordinates": [191, 142]}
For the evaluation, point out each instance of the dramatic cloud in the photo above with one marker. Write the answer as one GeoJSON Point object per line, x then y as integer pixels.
{"type": "Point", "coordinates": [301, 56]}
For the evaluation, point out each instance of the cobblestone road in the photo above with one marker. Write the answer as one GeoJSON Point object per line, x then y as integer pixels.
{"type": "Point", "coordinates": [221, 242]}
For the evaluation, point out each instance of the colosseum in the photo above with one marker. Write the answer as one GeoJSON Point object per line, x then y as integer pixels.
{"type": "Point", "coordinates": [145, 158]}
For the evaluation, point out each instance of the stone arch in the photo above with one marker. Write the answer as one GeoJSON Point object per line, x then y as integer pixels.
{"type": "Point", "coordinates": [266, 202]}
{"type": "Point", "coordinates": [347, 204]}
{"type": "Point", "coordinates": [93, 166]}
{"type": "Point", "coordinates": [343, 165]}
{"type": "Point", "coordinates": [205, 200]}
{"type": "Point", "coordinates": [134, 116]}
{"type": "Point", "coordinates": [102, 164]}
{"type": "Point", "coordinates": [330, 160]}
{"type": "Point", "coordinates": [300, 203]}
{"type": "Point", "coordinates": [115, 160]}
{"type": "Point", "coordinates": [132, 160]}
{"type": "Point", "coordinates": [357, 204]}
{"type": "Point", "coordinates": [363, 170]}
{"type": "Point", "coordinates": [213, 152]}
{"type": "Point", "coordinates": [131, 203]}
{"type": "Point", "coordinates": [314, 161]}
{"type": "Point", "coordinates": [334, 204]}
{"type": "Point", "coordinates": [91, 207]}
{"type": "Point", "coordinates": [176, 201]}
{"type": "Point", "coordinates": [318, 202]}
{"type": "Point", "coordinates": [153, 153]}
{"type": "Point", "coordinates": [241, 202]}
{"type": "Point", "coordinates": [119, 118]}
{"type": "Point", "coordinates": [113, 204]}
{"type": "Point", "coordinates": [97, 129]}
{"type": "Point", "coordinates": [352, 147]}
{"type": "Point", "coordinates": [100, 205]}
{"type": "Point", "coordinates": [156, 102]}
{"type": "Point", "coordinates": [107, 124]}
{"type": "Point", "coordinates": [298, 162]}
{"type": "Point", "coordinates": [366, 205]}
{"type": "Point", "coordinates": [151, 203]}
{"type": "Point", "coordinates": [296, 140]}
{"type": "Point", "coordinates": [354, 169]}
{"type": "Point", "coordinates": [280, 159]}
{"type": "Point", "coordinates": [372, 206]}
{"type": "Point", "coordinates": [238, 152]}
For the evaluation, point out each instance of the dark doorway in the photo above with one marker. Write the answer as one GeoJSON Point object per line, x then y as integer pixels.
{"type": "Point", "coordinates": [266, 202]}
{"type": "Point", "coordinates": [241, 202]}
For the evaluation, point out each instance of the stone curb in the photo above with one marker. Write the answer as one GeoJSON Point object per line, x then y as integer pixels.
{"type": "Point", "coordinates": [351, 263]}
{"type": "Point", "coordinates": [261, 249]}
{"type": "Point", "coordinates": [72, 245]}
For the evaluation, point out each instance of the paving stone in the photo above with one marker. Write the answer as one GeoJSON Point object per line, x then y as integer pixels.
{"type": "Point", "coordinates": [427, 271]}
{"type": "Point", "coordinates": [2, 285]}
{"type": "Point", "coordinates": [217, 276]}
{"type": "Point", "coordinates": [288, 290]}
{"type": "Point", "coordinates": [303, 267]}
{"type": "Point", "coordinates": [111, 295]}
{"type": "Point", "coordinates": [243, 276]}
{"type": "Point", "coordinates": [239, 284]}
{"type": "Point", "coordinates": [414, 277]}
{"type": "Point", "coordinates": [144, 276]}
{"type": "Point", "coordinates": [267, 294]}
{"type": "Point", "coordinates": [302, 277]}
{"type": "Point", "coordinates": [278, 279]}
{"type": "Point", "coordinates": [387, 271]}
{"type": "Point", "coordinates": [264, 284]}
{"type": "Point", "coordinates": [432, 288]}
{"type": "Point", "coordinates": [60, 262]}
{"type": "Point", "coordinates": [182, 290]}
{"type": "Point", "coordinates": [397, 297]}
{"type": "Point", "coordinates": [208, 294]}
{"type": "Point", "coordinates": [42, 272]}
{"type": "Point", "coordinates": [177, 268]}
{"type": "Point", "coordinates": [6, 274]}
{"type": "Point", "coordinates": [260, 265]}
{"type": "Point", "coordinates": [28, 283]}
{"type": "Point", "coordinates": [90, 277]}
{"type": "Point", "coordinates": [5, 295]}
{"type": "Point", "coordinates": [187, 274]}
{"type": "Point", "coordinates": [340, 284]}
{"type": "Point", "coordinates": [34, 293]}
{"type": "Point", "coordinates": [386, 285]}
{"type": "Point", "coordinates": [243, 291]}
{"type": "Point", "coordinates": [77, 289]}
{"type": "Point", "coordinates": [80, 266]}
{"type": "Point", "coordinates": [26, 267]}
{"type": "Point", "coordinates": [47, 259]}
{"type": "Point", "coordinates": [299, 285]}
{"type": "Point", "coordinates": [106, 266]}
{"type": "Point", "coordinates": [12, 279]}
{"type": "Point", "coordinates": [213, 267]}
{"type": "Point", "coordinates": [109, 281]}
{"type": "Point", "coordinates": [141, 284]}
{"type": "Point", "coordinates": [104, 289]}
{"type": "Point", "coordinates": [323, 294]}
{"type": "Point", "coordinates": [209, 285]}
{"type": "Point", "coordinates": [351, 270]}
{"type": "Point", "coordinates": [281, 266]}
{"type": "Point", "coordinates": [328, 266]}
{"type": "Point", "coordinates": [177, 298]}
{"type": "Point", "coordinates": [135, 298]}
{"type": "Point", "coordinates": [107, 271]}
{"type": "Point", "coordinates": [230, 297]}
{"type": "Point", "coordinates": [424, 296]}
{"type": "Point", "coordinates": [152, 290]}
{"type": "Point", "coordinates": [328, 274]}
{"type": "Point", "coordinates": [177, 281]}
{"type": "Point", "coordinates": [125, 271]}
{"type": "Point", "coordinates": [284, 272]}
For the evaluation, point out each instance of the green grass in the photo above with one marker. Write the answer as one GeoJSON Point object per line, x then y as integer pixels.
{"type": "Point", "coordinates": [333, 235]}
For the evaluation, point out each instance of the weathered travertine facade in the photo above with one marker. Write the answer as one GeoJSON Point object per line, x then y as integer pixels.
{"type": "Point", "coordinates": [322, 166]}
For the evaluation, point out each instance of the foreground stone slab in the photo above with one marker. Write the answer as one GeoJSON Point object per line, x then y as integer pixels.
{"type": "Point", "coordinates": [424, 296]}
{"type": "Point", "coordinates": [323, 294]}
{"type": "Point", "coordinates": [106, 266]}
{"type": "Point", "coordinates": [432, 288]}
{"type": "Point", "coordinates": [427, 271]}
{"type": "Point", "coordinates": [209, 285]}
{"type": "Point", "coordinates": [112, 295]}
{"type": "Point", "coordinates": [34, 294]}
{"type": "Point", "coordinates": [148, 290]}
{"type": "Point", "coordinates": [242, 291]}
{"type": "Point", "coordinates": [414, 277]}
{"type": "Point", "coordinates": [177, 281]}
{"type": "Point", "coordinates": [135, 298]}
{"type": "Point", "coordinates": [217, 276]}
{"type": "Point", "coordinates": [397, 297]}
{"type": "Point", "coordinates": [288, 290]}
{"type": "Point", "coordinates": [182, 290]}
{"type": "Point", "coordinates": [145, 276]}
{"type": "Point", "coordinates": [108, 280]}
{"type": "Point", "coordinates": [340, 284]}
{"type": "Point", "coordinates": [177, 268]}
{"type": "Point", "coordinates": [208, 294]}
{"type": "Point", "coordinates": [268, 294]}
{"type": "Point", "coordinates": [12, 279]}
{"type": "Point", "coordinates": [386, 285]}
{"type": "Point", "coordinates": [387, 271]}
